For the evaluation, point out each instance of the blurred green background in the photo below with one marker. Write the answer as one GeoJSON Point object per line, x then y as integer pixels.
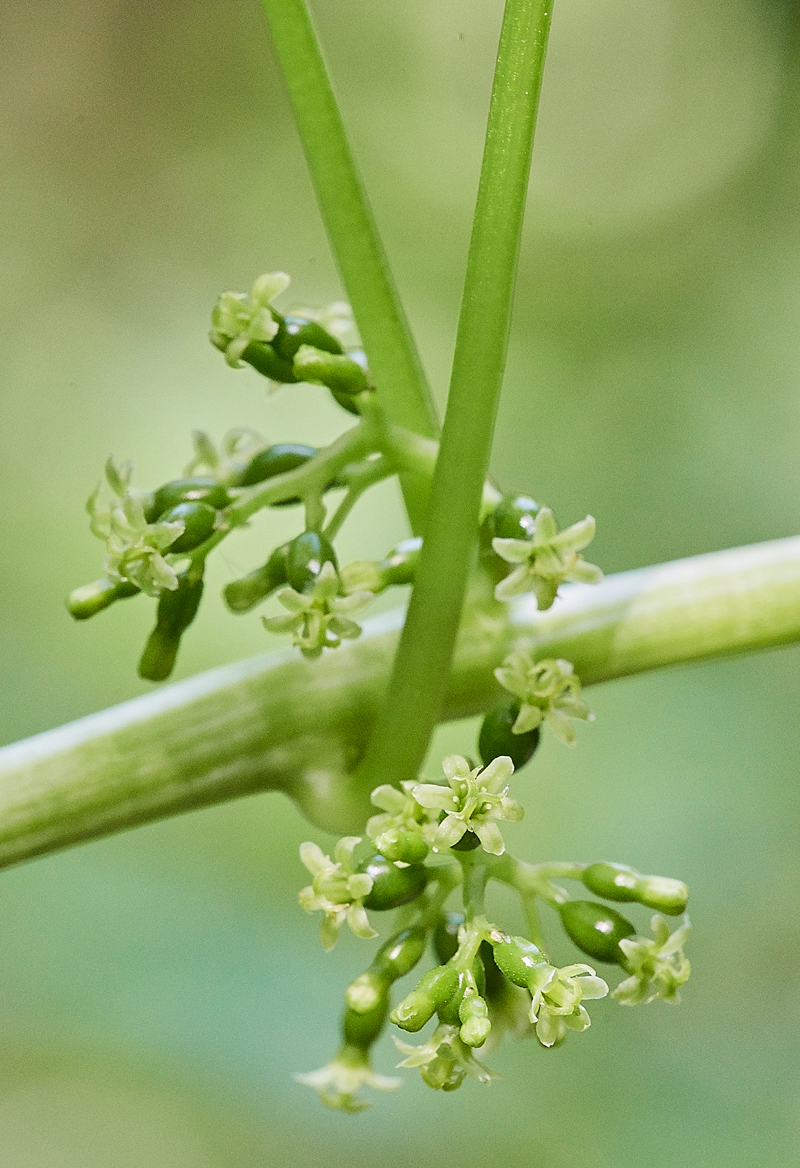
{"type": "Point", "coordinates": [157, 989]}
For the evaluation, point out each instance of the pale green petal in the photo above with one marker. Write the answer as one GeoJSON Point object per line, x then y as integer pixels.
{"type": "Point", "coordinates": [549, 1027]}
{"type": "Point", "coordinates": [313, 858]}
{"type": "Point", "coordinates": [489, 834]}
{"type": "Point", "coordinates": [495, 776]}
{"type": "Point", "coordinates": [268, 286]}
{"type": "Point", "coordinates": [561, 726]}
{"type": "Point", "coordinates": [354, 602]}
{"type": "Point", "coordinates": [529, 718]}
{"type": "Point", "coordinates": [294, 601]}
{"type": "Point", "coordinates": [519, 581]}
{"type": "Point", "coordinates": [513, 551]}
{"type": "Point", "coordinates": [577, 537]}
{"type": "Point", "coordinates": [546, 592]}
{"type": "Point", "coordinates": [511, 811]}
{"type": "Point", "coordinates": [431, 795]}
{"type": "Point", "coordinates": [329, 930]}
{"type": "Point", "coordinates": [345, 628]}
{"type": "Point", "coordinates": [278, 624]}
{"type": "Point", "coordinates": [593, 987]}
{"type": "Point", "coordinates": [344, 849]}
{"type": "Point", "coordinates": [578, 1020]}
{"type": "Point", "coordinates": [359, 885]}
{"type": "Point", "coordinates": [585, 573]}
{"type": "Point", "coordinates": [162, 574]}
{"type": "Point", "coordinates": [456, 767]}
{"type": "Point", "coordinates": [512, 678]}
{"type": "Point", "coordinates": [388, 798]}
{"type": "Point", "coordinates": [359, 923]}
{"type": "Point", "coordinates": [449, 832]}
{"type": "Point", "coordinates": [545, 527]}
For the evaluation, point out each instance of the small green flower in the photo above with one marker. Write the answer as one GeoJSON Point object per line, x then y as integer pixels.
{"type": "Point", "coordinates": [319, 619]}
{"type": "Point", "coordinates": [547, 689]}
{"type": "Point", "coordinates": [658, 968]}
{"type": "Point", "coordinates": [226, 462]}
{"type": "Point", "coordinates": [401, 812]}
{"type": "Point", "coordinates": [444, 1061]}
{"type": "Point", "coordinates": [474, 800]}
{"type": "Point", "coordinates": [556, 996]}
{"type": "Point", "coordinates": [547, 559]}
{"type": "Point", "coordinates": [135, 548]}
{"type": "Point", "coordinates": [238, 319]}
{"type": "Point", "coordinates": [339, 1082]}
{"type": "Point", "coordinates": [336, 890]}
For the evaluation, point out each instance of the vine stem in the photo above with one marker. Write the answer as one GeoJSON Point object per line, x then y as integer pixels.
{"type": "Point", "coordinates": [351, 228]}
{"type": "Point", "coordinates": [279, 722]}
{"type": "Point", "coordinates": [419, 679]}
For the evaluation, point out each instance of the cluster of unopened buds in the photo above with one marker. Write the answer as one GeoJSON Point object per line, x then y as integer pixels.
{"type": "Point", "coordinates": [433, 841]}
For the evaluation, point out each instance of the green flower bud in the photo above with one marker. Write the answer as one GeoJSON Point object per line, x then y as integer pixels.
{"type": "Point", "coordinates": [361, 1030]}
{"type": "Point", "coordinates": [513, 517]}
{"type": "Point", "coordinates": [445, 935]}
{"type": "Point", "coordinates": [276, 460]}
{"type": "Point", "coordinates": [263, 358]}
{"type": "Point", "coordinates": [198, 520]}
{"type": "Point", "coordinates": [618, 882]}
{"type": "Point", "coordinates": [338, 372]}
{"type": "Point", "coordinates": [92, 598]}
{"type": "Point", "coordinates": [474, 1016]}
{"type": "Point", "coordinates": [305, 557]}
{"type": "Point", "coordinates": [294, 331]}
{"type": "Point", "coordinates": [346, 402]}
{"type": "Point", "coordinates": [595, 929]}
{"type": "Point", "coordinates": [517, 958]}
{"type": "Point", "coordinates": [408, 847]}
{"type": "Point", "coordinates": [367, 991]}
{"type": "Point", "coordinates": [400, 564]}
{"type": "Point", "coordinates": [398, 956]}
{"type": "Point", "coordinates": [198, 489]}
{"type": "Point", "coordinates": [496, 737]}
{"type": "Point", "coordinates": [433, 991]}
{"type": "Point", "coordinates": [244, 594]}
{"type": "Point", "coordinates": [392, 886]}
{"type": "Point", "coordinates": [176, 611]}
{"type": "Point", "coordinates": [468, 843]}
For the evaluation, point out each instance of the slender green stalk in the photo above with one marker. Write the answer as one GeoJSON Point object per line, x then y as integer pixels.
{"type": "Point", "coordinates": [419, 680]}
{"type": "Point", "coordinates": [348, 219]}
{"type": "Point", "coordinates": [278, 722]}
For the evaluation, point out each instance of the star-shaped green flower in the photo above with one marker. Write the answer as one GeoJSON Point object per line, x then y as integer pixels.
{"type": "Point", "coordinates": [400, 812]}
{"type": "Point", "coordinates": [319, 619]}
{"type": "Point", "coordinates": [444, 1061]}
{"type": "Point", "coordinates": [547, 689]}
{"type": "Point", "coordinates": [474, 800]}
{"type": "Point", "coordinates": [556, 996]}
{"type": "Point", "coordinates": [135, 547]}
{"type": "Point", "coordinates": [336, 890]}
{"type": "Point", "coordinates": [339, 1082]}
{"type": "Point", "coordinates": [238, 319]}
{"type": "Point", "coordinates": [547, 559]}
{"type": "Point", "coordinates": [658, 968]}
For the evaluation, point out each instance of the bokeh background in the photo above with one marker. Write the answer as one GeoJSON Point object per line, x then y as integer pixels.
{"type": "Point", "coordinates": [157, 989]}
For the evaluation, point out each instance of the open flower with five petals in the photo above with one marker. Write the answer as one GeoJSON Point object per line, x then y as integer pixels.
{"type": "Point", "coordinates": [658, 968]}
{"type": "Point", "coordinates": [547, 559]}
{"type": "Point", "coordinates": [400, 812]}
{"type": "Point", "coordinates": [444, 1061]}
{"type": "Point", "coordinates": [556, 997]}
{"type": "Point", "coordinates": [339, 1082]}
{"type": "Point", "coordinates": [548, 689]}
{"type": "Point", "coordinates": [238, 319]}
{"type": "Point", "coordinates": [473, 801]}
{"type": "Point", "coordinates": [336, 890]}
{"type": "Point", "coordinates": [319, 619]}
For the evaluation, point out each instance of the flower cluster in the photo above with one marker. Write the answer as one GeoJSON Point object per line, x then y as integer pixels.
{"type": "Point", "coordinates": [238, 320]}
{"type": "Point", "coordinates": [548, 558]}
{"type": "Point", "coordinates": [336, 890]}
{"type": "Point", "coordinates": [547, 690]}
{"type": "Point", "coordinates": [475, 800]}
{"type": "Point", "coordinates": [658, 968]}
{"type": "Point", "coordinates": [135, 548]}
{"type": "Point", "coordinates": [319, 619]}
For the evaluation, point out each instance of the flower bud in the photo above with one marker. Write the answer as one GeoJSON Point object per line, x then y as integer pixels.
{"type": "Point", "coordinates": [398, 956]}
{"type": "Point", "coordinates": [244, 594]}
{"type": "Point", "coordinates": [304, 560]}
{"type": "Point", "coordinates": [517, 957]}
{"type": "Point", "coordinates": [432, 993]}
{"type": "Point", "coordinates": [392, 886]}
{"type": "Point", "coordinates": [263, 358]}
{"type": "Point", "coordinates": [197, 489]}
{"type": "Point", "coordinates": [445, 935]}
{"type": "Point", "coordinates": [361, 1030]}
{"type": "Point", "coordinates": [514, 516]}
{"type": "Point", "coordinates": [618, 882]}
{"type": "Point", "coordinates": [198, 521]}
{"type": "Point", "coordinates": [176, 611]}
{"type": "Point", "coordinates": [397, 844]}
{"type": "Point", "coordinates": [496, 737]}
{"type": "Point", "coordinates": [275, 460]}
{"type": "Point", "coordinates": [338, 372]}
{"type": "Point", "coordinates": [401, 563]}
{"type": "Point", "coordinates": [368, 989]}
{"type": "Point", "coordinates": [92, 598]}
{"type": "Point", "coordinates": [294, 331]}
{"type": "Point", "coordinates": [474, 1016]}
{"type": "Point", "coordinates": [595, 929]}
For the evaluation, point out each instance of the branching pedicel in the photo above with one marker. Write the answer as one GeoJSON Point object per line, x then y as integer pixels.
{"type": "Point", "coordinates": [430, 840]}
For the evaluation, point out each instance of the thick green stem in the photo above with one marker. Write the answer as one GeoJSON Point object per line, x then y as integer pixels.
{"type": "Point", "coordinates": [278, 722]}
{"type": "Point", "coordinates": [419, 680]}
{"type": "Point", "coordinates": [394, 361]}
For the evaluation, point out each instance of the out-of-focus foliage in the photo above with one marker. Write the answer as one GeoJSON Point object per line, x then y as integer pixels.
{"type": "Point", "coordinates": [156, 989]}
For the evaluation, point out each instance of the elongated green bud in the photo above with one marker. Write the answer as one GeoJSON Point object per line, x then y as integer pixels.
{"type": "Point", "coordinates": [276, 460]}
{"type": "Point", "coordinates": [496, 737]}
{"type": "Point", "coordinates": [92, 598]}
{"type": "Point", "coordinates": [244, 594]}
{"type": "Point", "coordinates": [198, 521]}
{"type": "Point", "coordinates": [195, 489]}
{"type": "Point", "coordinates": [445, 935]}
{"type": "Point", "coordinates": [400, 564]}
{"type": "Point", "coordinates": [618, 882]}
{"type": "Point", "coordinates": [595, 929]}
{"type": "Point", "coordinates": [263, 358]}
{"type": "Point", "coordinates": [367, 990]}
{"type": "Point", "coordinates": [176, 611]}
{"type": "Point", "coordinates": [433, 991]}
{"type": "Point", "coordinates": [474, 1016]}
{"type": "Point", "coordinates": [305, 557]}
{"type": "Point", "coordinates": [514, 517]}
{"type": "Point", "coordinates": [395, 958]}
{"type": "Point", "coordinates": [295, 331]}
{"type": "Point", "coordinates": [517, 958]}
{"type": "Point", "coordinates": [392, 886]}
{"type": "Point", "coordinates": [338, 372]}
{"type": "Point", "coordinates": [361, 1030]}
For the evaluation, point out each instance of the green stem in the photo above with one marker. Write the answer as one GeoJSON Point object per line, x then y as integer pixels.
{"type": "Point", "coordinates": [279, 722]}
{"type": "Point", "coordinates": [419, 679]}
{"type": "Point", "coordinates": [393, 357]}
